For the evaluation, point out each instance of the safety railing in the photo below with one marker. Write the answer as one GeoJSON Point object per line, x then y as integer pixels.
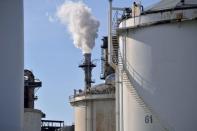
{"type": "Point", "coordinates": [133, 75]}
{"type": "Point", "coordinates": [108, 90]}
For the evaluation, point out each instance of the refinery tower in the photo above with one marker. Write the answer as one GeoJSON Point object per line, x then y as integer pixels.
{"type": "Point", "coordinates": [94, 106]}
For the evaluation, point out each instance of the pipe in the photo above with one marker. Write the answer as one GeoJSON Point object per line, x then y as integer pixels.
{"type": "Point", "coordinates": [110, 32]}
{"type": "Point", "coordinates": [117, 100]}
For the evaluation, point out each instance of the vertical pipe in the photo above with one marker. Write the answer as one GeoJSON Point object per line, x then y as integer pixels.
{"type": "Point", "coordinates": [117, 100]}
{"type": "Point", "coordinates": [110, 32]}
{"type": "Point", "coordinates": [122, 104]}
{"type": "Point", "coordinates": [92, 116]}
{"type": "Point", "coordinates": [86, 116]}
{"type": "Point", "coordinates": [11, 67]}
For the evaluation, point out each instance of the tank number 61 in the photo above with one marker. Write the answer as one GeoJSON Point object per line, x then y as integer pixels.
{"type": "Point", "coordinates": [148, 119]}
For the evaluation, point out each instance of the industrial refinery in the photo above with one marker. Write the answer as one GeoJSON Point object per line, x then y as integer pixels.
{"type": "Point", "coordinates": [148, 67]}
{"type": "Point", "coordinates": [94, 106]}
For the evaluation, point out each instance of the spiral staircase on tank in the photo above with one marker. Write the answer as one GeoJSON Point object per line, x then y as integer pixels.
{"type": "Point", "coordinates": [127, 72]}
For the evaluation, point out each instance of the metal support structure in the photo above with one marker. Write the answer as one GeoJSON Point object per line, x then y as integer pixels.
{"type": "Point", "coordinates": [118, 8]}
{"type": "Point", "coordinates": [51, 125]}
{"type": "Point", "coordinates": [30, 84]}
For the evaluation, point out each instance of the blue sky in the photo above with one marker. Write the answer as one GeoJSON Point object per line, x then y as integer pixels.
{"type": "Point", "coordinates": [51, 55]}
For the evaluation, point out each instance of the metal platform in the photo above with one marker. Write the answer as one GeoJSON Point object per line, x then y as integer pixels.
{"type": "Point", "coordinates": [51, 125]}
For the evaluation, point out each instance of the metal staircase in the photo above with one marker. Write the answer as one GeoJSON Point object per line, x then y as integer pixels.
{"type": "Point", "coordinates": [128, 82]}
{"type": "Point", "coordinates": [134, 93]}
{"type": "Point", "coordinates": [127, 79]}
{"type": "Point", "coordinates": [115, 49]}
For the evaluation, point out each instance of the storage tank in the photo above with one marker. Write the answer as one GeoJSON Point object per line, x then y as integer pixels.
{"type": "Point", "coordinates": [94, 110]}
{"type": "Point", "coordinates": [158, 53]}
{"type": "Point", "coordinates": [32, 119]}
{"type": "Point", "coordinates": [11, 67]}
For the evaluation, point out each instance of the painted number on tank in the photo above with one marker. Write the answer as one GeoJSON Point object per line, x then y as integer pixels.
{"type": "Point", "coordinates": [148, 119]}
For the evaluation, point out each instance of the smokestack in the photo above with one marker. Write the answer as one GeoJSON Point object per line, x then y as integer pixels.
{"type": "Point", "coordinates": [87, 66]}
{"type": "Point", "coordinates": [83, 27]}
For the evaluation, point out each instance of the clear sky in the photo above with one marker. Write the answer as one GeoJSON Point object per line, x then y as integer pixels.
{"type": "Point", "coordinates": [51, 55]}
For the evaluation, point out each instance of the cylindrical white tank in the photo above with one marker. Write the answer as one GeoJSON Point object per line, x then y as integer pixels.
{"type": "Point", "coordinates": [32, 119]}
{"type": "Point", "coordinates": [95, 111]}
{"type": "Point", "coordinates": [11, 67]}
{"type": "Point", "coordinates": [80, 117]}
{"type": "Point", "coordinates": [160, 54]}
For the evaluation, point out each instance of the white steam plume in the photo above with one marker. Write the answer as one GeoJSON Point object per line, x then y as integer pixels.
{"type": "Point", "coordinates": [81, 23]}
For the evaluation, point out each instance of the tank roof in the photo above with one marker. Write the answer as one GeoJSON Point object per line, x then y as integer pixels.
{"type": "Point", "coordinates": [170, 4]}
{"type": "Point", "coordinates": [163, 12]}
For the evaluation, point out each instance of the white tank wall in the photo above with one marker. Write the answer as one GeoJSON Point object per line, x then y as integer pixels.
{"type": "Point", "coordinates": [11, 67]}
{"type": "Point", "coordinates": [32, 120]}
{"type": "Point", "coordinates": [133, 111]}
{"type": "Point", "coordinates": [99, 114]}
{"type": "Point", "coordinates": [164, 60]}
{"type": "Point", "coordinates": [80, 119]}
{"type": "Point", "coordinates": [104, 115]}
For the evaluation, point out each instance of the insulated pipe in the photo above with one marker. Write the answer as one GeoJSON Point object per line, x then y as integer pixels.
{"type": "Point", "coordinates": [11, 65]}
{"type": "Point", "coordinates": [110, 32]}
{"type": "Point", "coordinates": [117, 79]}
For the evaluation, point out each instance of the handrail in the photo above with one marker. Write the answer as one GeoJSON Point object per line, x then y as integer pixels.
{"type": "Point", "coordinates": [135, 76]}
{"type": "Point", "coordinates": [110, 90]}
{"type": "Point", "coordinates": [131, 74]}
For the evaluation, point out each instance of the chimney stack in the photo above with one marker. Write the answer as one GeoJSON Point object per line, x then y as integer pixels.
{"type": "Point", "coordinates": [87, 66]}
